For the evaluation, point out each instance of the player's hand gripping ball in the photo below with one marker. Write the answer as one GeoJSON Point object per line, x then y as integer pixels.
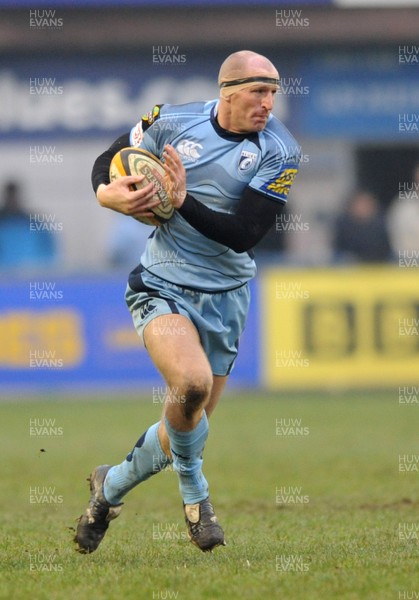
{"type": "Point", "coordinates": [135, 161]}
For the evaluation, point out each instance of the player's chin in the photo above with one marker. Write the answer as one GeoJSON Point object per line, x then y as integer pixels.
{"type": "Point", "coordinates": [259, 124]}
{"type": "Point", "coordinates": [259, 127]}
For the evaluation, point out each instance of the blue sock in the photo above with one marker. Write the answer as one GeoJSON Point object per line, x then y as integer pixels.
{"type": "Point", "coordinates": [187, 448]}
{"type": "Point", "coordinates": [146, 459]}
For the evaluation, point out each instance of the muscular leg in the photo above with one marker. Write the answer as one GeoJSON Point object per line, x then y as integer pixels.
{"type": "Point", "coordinates": [174, 346]}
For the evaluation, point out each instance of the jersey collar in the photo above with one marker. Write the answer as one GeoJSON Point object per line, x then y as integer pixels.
{"type": "Point", "coordinates": [229, 135]}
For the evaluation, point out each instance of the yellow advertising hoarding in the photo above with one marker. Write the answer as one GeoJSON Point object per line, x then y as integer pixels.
{"type": "Point", "coordinates": [353, 327]}
{"type": "Point", "coordinates": [39, 339]}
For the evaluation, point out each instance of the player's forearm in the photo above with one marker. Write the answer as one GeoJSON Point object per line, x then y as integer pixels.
{"type": "Point", "coordinates": [240, 231]}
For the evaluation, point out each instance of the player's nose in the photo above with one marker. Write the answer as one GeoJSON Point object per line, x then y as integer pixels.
{"type": "Point", "coordinates": [268, 102]}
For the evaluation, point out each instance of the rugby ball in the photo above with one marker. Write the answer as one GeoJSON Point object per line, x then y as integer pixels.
{"type": "Point", "coordinates": [136, 161]}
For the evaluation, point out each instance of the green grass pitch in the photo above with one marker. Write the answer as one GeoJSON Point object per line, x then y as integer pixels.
{"type": "Point", "coordinates": [309, 489]}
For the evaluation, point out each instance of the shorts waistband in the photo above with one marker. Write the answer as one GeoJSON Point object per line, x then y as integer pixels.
{"type": "Point", "coordinates": [136, 273]}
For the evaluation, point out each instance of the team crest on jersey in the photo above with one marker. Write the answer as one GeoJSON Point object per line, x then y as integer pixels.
{"type": "Point", "coordinates": [280, 186]}
{"type": "Point", "coordinates": [247, 161]}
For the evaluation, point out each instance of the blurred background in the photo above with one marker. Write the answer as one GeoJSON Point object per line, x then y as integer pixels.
{"type": "Point", "coordinates": [336, 301]}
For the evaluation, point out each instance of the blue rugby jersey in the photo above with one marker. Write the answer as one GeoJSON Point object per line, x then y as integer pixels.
{"type": "Point", "coordinates": [219, 166]}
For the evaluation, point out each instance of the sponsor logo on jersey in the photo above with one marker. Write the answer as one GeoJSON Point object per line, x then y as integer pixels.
{"type": "Point", "coordinates": [188, 150]}
{"type": "Point", "coordinates": [151, 116]}
{"type": "Point", "coordinates": [247, 161]}
{"type": "Point", "coordinates": [280, 186]}
{"type": "Point", "coordinates": [146, 309]}
{"type": "Point", "coordinates": [137, 134]}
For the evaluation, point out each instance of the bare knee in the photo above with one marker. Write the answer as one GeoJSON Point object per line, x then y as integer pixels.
{"type": "Point", "coordinates": [196, 397]}
{"type": "Point", "coordinates": [189, 397]}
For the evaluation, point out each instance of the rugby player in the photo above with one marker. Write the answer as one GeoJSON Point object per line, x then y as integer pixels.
{"type": "Point", "coordinates": [229, 166]}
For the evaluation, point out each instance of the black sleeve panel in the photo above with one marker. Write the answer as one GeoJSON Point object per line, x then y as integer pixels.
{"type": "Point", "coordinates": [241, 231]}
{"type": "Point", "coordinates": [100, 171]}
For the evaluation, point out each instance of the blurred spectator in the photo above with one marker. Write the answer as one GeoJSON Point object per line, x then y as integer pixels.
{"type": "Point", "coordinates": [360, 231]}
{"type": "Point", "coordinates": [19, 246]}
{"type": "Point", "coordinates": [403, 216]}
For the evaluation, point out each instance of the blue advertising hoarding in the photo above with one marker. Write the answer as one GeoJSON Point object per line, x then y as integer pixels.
{"type": "Point", "coordinates": [360, 95]}
{"type": "Point", "coordinates": [57, 334]}
{"type": "Point", "coordinates": [351, 94]}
